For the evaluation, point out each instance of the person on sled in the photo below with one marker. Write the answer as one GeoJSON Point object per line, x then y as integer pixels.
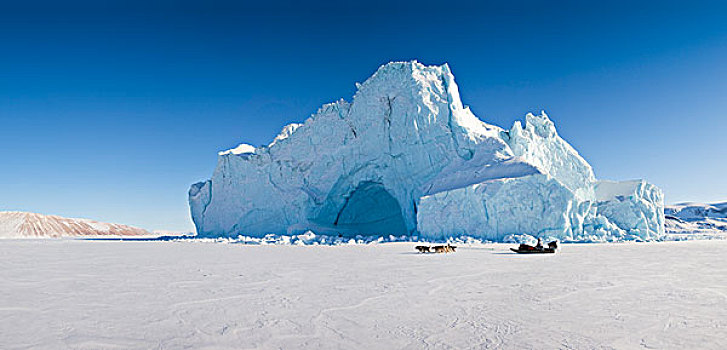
{"type": "Point", "coordinates": [539, 245]}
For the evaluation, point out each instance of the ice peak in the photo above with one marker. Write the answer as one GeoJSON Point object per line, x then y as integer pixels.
{"type": "Point", "coordinates": [401, 89]}
{"type": "Point", "coordinates": [540, 124]}
{"type": "Point", "coordinates": [285, 133]}
{"type": "Point", "coordinates": [408, 74]}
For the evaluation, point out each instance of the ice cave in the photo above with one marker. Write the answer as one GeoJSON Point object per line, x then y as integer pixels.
{"type": "Point", "coordinates": [369, 209]}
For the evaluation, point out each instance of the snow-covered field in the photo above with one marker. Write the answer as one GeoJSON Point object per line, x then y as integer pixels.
{"type": "Point", "coordinates": [59, 294]}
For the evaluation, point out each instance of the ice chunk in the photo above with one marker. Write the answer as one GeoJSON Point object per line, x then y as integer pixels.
{"type": "Point", "coordinates": [537, 205]}
{"type": "Point", "coordinates": [636, 207]}
{"type": "Point", "coordinates": [539, 144]}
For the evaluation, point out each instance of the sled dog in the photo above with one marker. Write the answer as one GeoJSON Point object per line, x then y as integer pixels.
{"type": "Point", "coordinates": [444, 248]}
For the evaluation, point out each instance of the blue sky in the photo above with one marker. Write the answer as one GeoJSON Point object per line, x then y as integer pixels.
{"type": "Point", "coordinates": [111, 110]}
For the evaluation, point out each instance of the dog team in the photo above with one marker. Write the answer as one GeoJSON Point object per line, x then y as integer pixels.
{"type": "Point", "coordinates": [436, 249]}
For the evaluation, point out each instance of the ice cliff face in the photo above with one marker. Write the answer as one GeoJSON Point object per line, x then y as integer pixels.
{"type": "Point", "coordinates": [405, 157]}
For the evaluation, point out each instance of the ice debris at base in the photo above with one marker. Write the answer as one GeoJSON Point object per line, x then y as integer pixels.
{"type": "Point", "coordinates": [406, 158]}
{"type": "Point", "coordinates": [310, 238]}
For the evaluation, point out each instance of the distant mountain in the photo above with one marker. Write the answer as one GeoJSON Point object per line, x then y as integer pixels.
{"type": "Point", "coordinates": [696, 219]}
{"type": "Point", "coordinates": [697, 210]}
{"type": "Point", "coordinates": [15, 224]}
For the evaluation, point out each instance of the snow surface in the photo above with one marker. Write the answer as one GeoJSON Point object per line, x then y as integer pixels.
{"type": "Point", "coordinates": [15, 224]}
{"type": "Point", "coordinates": [61, 294]}
{"type": "Point", "coordinates": [407, 157]}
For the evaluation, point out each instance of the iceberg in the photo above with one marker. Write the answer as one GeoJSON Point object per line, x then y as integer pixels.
{"type": "Point", "coordinates": [406, 157]}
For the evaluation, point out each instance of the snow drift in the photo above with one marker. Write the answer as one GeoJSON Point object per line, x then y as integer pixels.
{"type": "Point", "coordinates": [15, 224]}
{"type": "Point", "coordinates": [405, 157]}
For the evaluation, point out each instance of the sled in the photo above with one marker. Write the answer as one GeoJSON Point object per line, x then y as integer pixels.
{"type": "Point", "coordinates": [528, 249]}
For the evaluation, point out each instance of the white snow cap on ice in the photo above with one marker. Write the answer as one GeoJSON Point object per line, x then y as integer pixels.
{"type": "Point", "coordinates": [407, 157]}
{"type": "Point", "coordinates": [242, 148]}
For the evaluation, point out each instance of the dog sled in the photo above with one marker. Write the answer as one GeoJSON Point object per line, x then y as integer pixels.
{"type": "Point", "coordinates": [528, 249]}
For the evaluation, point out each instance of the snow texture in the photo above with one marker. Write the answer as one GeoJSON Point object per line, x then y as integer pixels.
{"type": "Point", "coordinates": [78, 294]}
{"type": "Point", "coordinates": [406, 157]}
{"type": "Point", "coordinates": [15, 224]}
